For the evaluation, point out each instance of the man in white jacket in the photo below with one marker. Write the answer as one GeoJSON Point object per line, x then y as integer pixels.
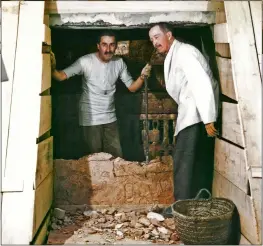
{"type": "Point", "coordinates": [189, 81]}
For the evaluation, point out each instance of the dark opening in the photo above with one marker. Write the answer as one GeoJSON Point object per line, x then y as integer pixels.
{"type": "Point", "coordinates": [70, 44]}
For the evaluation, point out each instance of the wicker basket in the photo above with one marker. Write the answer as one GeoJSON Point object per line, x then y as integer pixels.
{"type": "Point", "coordinates": [203, 221]}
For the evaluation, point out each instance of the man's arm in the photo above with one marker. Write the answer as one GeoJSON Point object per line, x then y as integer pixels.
{"type": "Point", "coordinates": [201, 87]}
{"type": "Point", "coordinates": [74, 69]}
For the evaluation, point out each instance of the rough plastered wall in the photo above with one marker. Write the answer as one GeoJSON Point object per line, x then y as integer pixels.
{"type": "Point", "coordinates": [101, 179]}
{"type": "Point", "coordinates": [131, 19]}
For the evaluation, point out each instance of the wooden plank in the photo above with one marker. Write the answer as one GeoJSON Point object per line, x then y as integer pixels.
{"type": "Point", "coordinates": [230, 162]}
{"type": "Point", "coordinates": [231, 124]}
{"type": "Point", "coordinates": [256, 172]}
{"type": "Point", "coordinates": [223, 50]}
{"type": "Point", "coordinates": [222, 187]}
{"type": "Point", "coordinates": [226, 77]}
{"type": "Point", "coordinates": [256, 13]}
{"type": "Point", "coordinates": [46, 34]}
{"type": "Point", "coordinates": [246, 76]}
{"type": "Point", "coordinates": [46, 72]}
{"type": "Point", "coordinates": [17, 210]}
{"type": "Point", "coordinates": [21, 156]}
{"type": "Point", "coordinates": [220, 16]}
{"type": "Point", "coordinates": [9, 27]}
{"type": "Point", "coordinates": [221, 33]}
{"type": "Point", "coordinates": [129, 7]}
{"type": "Point", "coordinates": [43, 201]}
{"type": "Point", "coordinates": [44, 160]}
{"type": "Point", "coordinates": [45, 115]}
{"type": "Point", "coordinates": [244, 241]}
{"type": "Point", "coordinates": [256, 193]}
{"type": "Point", "coordinates": [41, 237]}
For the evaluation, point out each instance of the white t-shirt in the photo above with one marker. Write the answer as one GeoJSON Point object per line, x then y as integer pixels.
{"type": "Point", "coordinates": [96, 105]}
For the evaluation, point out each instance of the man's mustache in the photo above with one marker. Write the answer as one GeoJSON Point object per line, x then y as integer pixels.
{"type": "Point", "coordinates": [108, 53]}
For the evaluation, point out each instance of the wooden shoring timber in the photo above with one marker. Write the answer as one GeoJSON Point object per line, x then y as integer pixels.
{"type": "Point", "coordinates": [58, 7]}
{"type": "Point", "coordinates": [246, 76]}
{"type": "Point", "coordinates": [10, 13]}
{"type": "Point", "coordinates": [222, 187]}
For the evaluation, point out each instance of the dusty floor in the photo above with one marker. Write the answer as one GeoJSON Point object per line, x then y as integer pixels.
{"type": "Point", "coordinates": [112, 226]}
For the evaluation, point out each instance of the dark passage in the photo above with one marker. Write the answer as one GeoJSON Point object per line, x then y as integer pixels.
{"type": "Point", "coordinates": [69, 44]}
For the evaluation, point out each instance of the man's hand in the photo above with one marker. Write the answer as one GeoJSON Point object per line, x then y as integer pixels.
{"type": "Point", "coordinates": [210, 129]}
{"type": "Point", "coordinates": [53, 61]}
{"type": "Point", "coordinates": [146, 71]}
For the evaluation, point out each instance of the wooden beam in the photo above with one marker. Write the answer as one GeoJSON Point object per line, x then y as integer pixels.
{"type": "Point", "coordinates": [246, 76]}
{"type": "Point", "coordinates": [45, 115]}
{"type": "Point", "coordinates": [244, 241]}
{"type": "Point", "coordinates": [69, 7]}
{"type": "Point", "coordinates": [221, 33]}
{"type": "Point", "coordinates": [10, 11]}
{"type": "Point", "coordinates": [21, 156]}
{"type": "Point", "coordinates": [222, 187]}
{"type": "Point", "coordinates": [223, 50]}
{"type": "Point", "coordinates": [44, 231]}
{"type": "Point", "coordinates": [256, 13]}
{"type": "Point", "coordinates": [44, 160]}
{"type": "Point", "coordinates": [43, 201]}
{"type": "Point", "coordinates": [230, 162]}
{"type": "Point", "coordinates": [231, 124]}
{"type": "Point", "coordinates": [17, 207]}
{"type": "Point", "coordinates": [46, 72]}
{"type": "Point", "coordinates": [226, 78]}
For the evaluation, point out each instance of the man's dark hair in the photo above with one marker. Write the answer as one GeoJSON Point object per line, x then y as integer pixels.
{"type": "Point", "coordinates": [109, 33]}
{"type": "Point", "coordinates": [164, 26]}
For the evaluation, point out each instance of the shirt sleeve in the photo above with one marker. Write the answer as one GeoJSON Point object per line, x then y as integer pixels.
{"type": "Point", "coordinates": [201, 87]}
{"type": "Point", "coordinates": [74, 69]}
{"type": "Point", "coordinates": [125, 76]}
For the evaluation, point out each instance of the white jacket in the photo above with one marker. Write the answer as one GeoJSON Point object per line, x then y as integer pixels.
{"type": "Point", "coordinates": [189, 81]}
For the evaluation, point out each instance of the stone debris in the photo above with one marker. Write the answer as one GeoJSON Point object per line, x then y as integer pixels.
{"type": "Point", "coordinates": [59, 213]}
{"type": "Point", "coordinates": [115, 225]}
{"type": "Point", "coordinates": [153, 215]}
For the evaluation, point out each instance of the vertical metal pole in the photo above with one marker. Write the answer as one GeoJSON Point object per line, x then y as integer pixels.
{"type": "Point", "coordinates": [147, 125]}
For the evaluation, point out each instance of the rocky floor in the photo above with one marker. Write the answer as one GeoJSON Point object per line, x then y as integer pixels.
{"type": "Point", "coordinates": [112, 226]}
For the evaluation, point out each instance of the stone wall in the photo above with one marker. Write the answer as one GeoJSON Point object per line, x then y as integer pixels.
{"type": "Point", "coordinates": [100, 179]}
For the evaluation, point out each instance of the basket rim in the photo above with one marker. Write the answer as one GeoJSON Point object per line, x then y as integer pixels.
{"type": "Point", "coordinates": [204, 218]}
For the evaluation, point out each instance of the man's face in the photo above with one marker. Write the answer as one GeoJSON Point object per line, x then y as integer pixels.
{"type": "Point", "coordinates": [107, 47]}
{"type": "Point", "coordinates": [160, 39]}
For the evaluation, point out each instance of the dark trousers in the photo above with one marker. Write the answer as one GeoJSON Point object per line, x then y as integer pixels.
{"type": "Point", "coordinates": [193, 160]}
{"type": "Point", "coordinates": [102, 138]}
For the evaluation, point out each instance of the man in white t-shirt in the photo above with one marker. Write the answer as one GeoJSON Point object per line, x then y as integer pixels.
{"type": "Point", "coordinates": [190, 82]}
{"type": "Point", "coordinates": [100, 72]}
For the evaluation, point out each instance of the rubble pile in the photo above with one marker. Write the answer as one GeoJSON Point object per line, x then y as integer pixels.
{"type": "Point", "coordinates": [118, 224]}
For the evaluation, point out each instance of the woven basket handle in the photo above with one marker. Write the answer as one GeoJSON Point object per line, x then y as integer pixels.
{"type": "Point", "coordinates": [199, 193]}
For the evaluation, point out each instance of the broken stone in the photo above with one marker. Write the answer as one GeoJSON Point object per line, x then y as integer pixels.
{"type": "Point", "coordinates": [174, 237]}
{"type": "Point", "coordinates": [118, 226]}
{"type": "Point", "coordinates": [162, 230]}
{"type": "Point", "coordinates": [54, 226]}
{"type": "Point", "coordinates": [138, 233]}
{"type": "Point", "coordinates": [138, 225]}
{"type": "Point", "coordinates": [155, 232]}
{"type": "Point", "coordinates": [91, 231]}
{"type": "Point", "coordinates": [111, 211]}
{"type": "Point", "coordinates": [119, 215]}
{"type": "Point", "coordinates": [169, 223]}
{"type": "Point", "coordinates": [104, 211]}
{"type": "Point", "coordinates": [108, 225]}
{"type": "Point", "coordinates": [126, 224]}
{"type": "Point", "coordinates": [144, 221]}
{"type": "Point", "coordinates": [155, 222]}
{"type": "Point", "coordinates": [53, 219]}
{"type": "Point", "coordinates": [60, 222]}
{"type": "Point", "coordinates": [102, 220]}
{"type": "Point", "coordinates": [59, 213]}
{"type": "Point", "coordinates": [147, 236]}
{"type": "Point", "coordinates": [152, 215]}
{"type": "Point", "coordinates": [151, 226]}
{"type": "Point", "coordinates": [89, 213]}
{"type": "Point", "coordinates": [133, 223]}
{"type": "Point", "coordinates": [67, 219]}
{"type": "Point", "coordinates": [119, 233]}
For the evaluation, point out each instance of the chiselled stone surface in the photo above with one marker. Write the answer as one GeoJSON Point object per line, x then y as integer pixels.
{"type": "Point", "coordinates": [100, 179]}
